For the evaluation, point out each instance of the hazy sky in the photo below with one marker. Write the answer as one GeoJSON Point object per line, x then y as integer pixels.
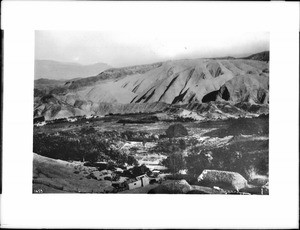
{"type": "Point", "coordinates": [123, 49]}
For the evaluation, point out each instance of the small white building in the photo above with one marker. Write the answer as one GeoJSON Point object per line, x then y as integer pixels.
{"type": "Point", "coordinates": [140, 181]}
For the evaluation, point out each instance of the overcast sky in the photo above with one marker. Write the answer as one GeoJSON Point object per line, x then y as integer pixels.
{"type": "Point", "coordinates": [124, 49]}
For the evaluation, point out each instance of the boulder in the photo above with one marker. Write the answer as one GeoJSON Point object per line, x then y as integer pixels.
{"type": "Point", "coordinates": [176, 130]}
{"type": "Point", "coordinates": [259, 180]}
{"type": "Point", "coordinates": [223, 179]}
{"type": "Point", "coordinates": [109, 189]}
{"type": "Point", "coordinates": [172, 187]}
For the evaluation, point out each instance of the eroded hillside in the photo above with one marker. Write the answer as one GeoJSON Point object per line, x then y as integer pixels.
{"type": "Point", "coordinates": [137, 88]}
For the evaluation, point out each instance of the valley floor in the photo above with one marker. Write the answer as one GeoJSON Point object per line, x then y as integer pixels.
{"type": "Point", "coordinates": [106, 156]}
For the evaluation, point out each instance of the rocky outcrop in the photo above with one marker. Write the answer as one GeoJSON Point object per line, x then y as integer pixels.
{"type": "Point", "coordinates": [253, 89]}
{"type": "Point", "coordinates": [58, 174]}
{"type": "Point", "coordinates": [245, 88]}
{"type": "Point", "coordinates": [223, 179]}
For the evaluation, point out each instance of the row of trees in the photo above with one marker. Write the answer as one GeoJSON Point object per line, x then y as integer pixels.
{"type": "Point", "coordinates": [224, 158]}
{"type": "Point", "coordinates": [88, 146]}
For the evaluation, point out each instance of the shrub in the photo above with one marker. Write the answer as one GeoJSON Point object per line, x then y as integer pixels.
{"type": "Point", "coordinates": [174, 162]}
{"type": "Point", "coordinates": [189, 178]}
{"type": "Point", "coordinates": [87, 130]}
{"type": "Point", "coordinates": [176, 130]}
{"type": "Point", "coordinates": [71, 146]}
{"type": "Point", "coordinates": [196, 163]}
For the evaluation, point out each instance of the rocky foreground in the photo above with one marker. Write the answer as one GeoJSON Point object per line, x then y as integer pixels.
{"type": "Point", "coordinates": [55, 176]}
{"type": "Point", "coordinates": [108, 156]}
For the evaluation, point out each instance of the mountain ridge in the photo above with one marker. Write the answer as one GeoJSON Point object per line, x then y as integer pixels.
{"type": "Point", "coordinates": [55, 70]}
{"type": "Point", "coordinates": [241, 80]}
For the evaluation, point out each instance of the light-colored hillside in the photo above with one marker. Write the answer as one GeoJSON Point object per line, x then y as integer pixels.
{"type": "Point", "coordinates": [52, 176]}
{"type": "Point", "coordinates": [172, 82]}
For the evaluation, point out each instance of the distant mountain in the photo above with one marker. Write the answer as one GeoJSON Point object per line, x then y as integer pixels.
{"type": "Point", "coordinates": [224, 58]}
{"type": "Point", "coordinates": [63, 70]}
{"type": "Point", "coordinates": [46, 81]}
{"type": "Point", "coordinates": [179, 82]}
{"type": "Point", "coordinates": [262, 56]}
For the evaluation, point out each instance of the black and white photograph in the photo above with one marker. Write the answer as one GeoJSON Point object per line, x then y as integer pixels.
{"type": "Point", "coordinates": [189, 116]}
{"type": "Point", "coordinates": [150, 115]}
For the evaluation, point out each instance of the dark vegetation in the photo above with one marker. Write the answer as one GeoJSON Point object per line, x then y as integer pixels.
{"type": "Point", "coordinates": [174, 162]}
{"type": "Point", "coordinates": [234, 157]}
{"type": "Point", "coordinates": [236, 127]}
{"type": "Point", "coordinates": [176, 130]}
{"type": "Point", "coordinates": [169, 146]}
{"type": "Point", "coordinates": [38, 119]}
{"type": "Point", "coordinates": [83, 145]}
{"type": "Point", "coordinates": [86, 143]}
{"type": "Point", "coordinates": [244, 157]}
{"type": "Point", "coordinates": [142, 120]}
{"type": "Point", "coordinates": [242, 154]}
{"type": "Point", "coordinates": [136, 171]}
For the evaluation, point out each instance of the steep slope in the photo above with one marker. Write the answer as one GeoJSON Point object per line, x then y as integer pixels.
{"type": "Point", "coordinates": [247, 88]}
{"type": "Point", "coordinates": [52, 176]}
{"type": "Point", "coordinates": [172, 82]}
{"type": "Point", "coordinates": [111, 74]}
{"type": "Point", "coordinates": [61, 70]}
{"type": "Point", "coordinates": [262, 56]}
{"type": "Point", "coordinates": [189, 81]}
